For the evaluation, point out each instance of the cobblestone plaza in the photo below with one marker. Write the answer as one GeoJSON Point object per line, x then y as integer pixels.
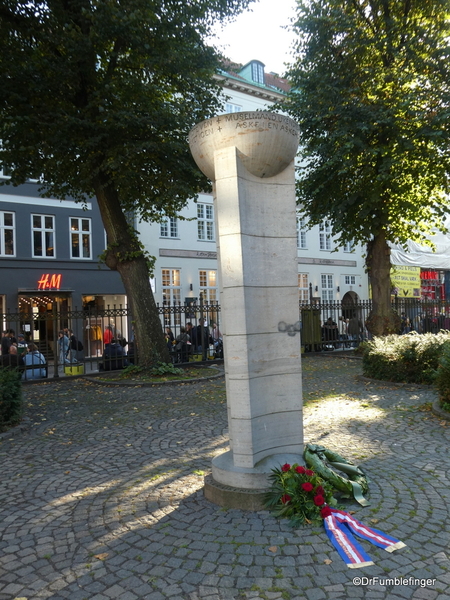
{"type": "Point", "coordinates": [101, 495]}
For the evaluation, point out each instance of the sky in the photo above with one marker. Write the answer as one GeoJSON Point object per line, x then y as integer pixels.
{"type": "Point", "coordinates": [258, 34]}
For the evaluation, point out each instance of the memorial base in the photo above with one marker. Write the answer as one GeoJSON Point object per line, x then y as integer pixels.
{"type": "Point", "coordinates": [244, 488]}
{"type": "Point", "coordinates": [231, 497]}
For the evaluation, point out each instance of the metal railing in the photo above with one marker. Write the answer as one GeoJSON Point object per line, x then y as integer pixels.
{"type": "Point", "coordinates": [322, 327]}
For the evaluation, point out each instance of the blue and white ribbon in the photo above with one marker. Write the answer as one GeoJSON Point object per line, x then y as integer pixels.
{"type": "Point", "coordinates": [339, 526]}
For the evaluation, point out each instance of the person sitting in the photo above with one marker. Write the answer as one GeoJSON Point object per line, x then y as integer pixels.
{"type": "Point", "coordinates": [181, 346]}
{"type": "Point", "coordinates": [34, 359]}
{"type": "Point", "coordinates": [12, 360]}
{"type": "Point", "coordinates": [114, 357]}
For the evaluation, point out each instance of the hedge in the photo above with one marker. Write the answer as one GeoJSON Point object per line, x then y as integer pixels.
{"type": "Point", "coordinates": [410, 358]}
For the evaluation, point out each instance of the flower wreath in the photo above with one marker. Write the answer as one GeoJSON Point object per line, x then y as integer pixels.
{"type": "Point", "coordinates": [298, 493]}
{"type": "Point", "coordinates": [302, 496]}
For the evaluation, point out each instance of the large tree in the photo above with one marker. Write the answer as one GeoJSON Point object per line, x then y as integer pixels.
{"type": "Point", "coordinates": [98, 97]}
{"type": "Point", "coordinates": [371, 93]}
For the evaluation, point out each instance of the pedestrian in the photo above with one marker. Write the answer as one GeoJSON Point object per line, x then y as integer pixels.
{"type": "Point", "coordinates": [73, 347]}
{"type": "Point", "coordinates": [12, 360]}
{"type": "Point", "coordinates": [33, 358]}
{"type": "Point", "coordinates": [63, 348]}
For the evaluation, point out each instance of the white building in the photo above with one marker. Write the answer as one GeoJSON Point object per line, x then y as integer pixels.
{"type": "Point", "coordinates": [185, 249]}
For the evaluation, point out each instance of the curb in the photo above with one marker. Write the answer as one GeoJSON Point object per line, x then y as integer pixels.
{"type": "Point", "coordinates": [439, 412]}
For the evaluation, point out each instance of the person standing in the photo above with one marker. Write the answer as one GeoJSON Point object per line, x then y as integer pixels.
{"type": "Point", "coordinates": [63, 348]}
{"type": "Point", "coordinates": [73, 347]}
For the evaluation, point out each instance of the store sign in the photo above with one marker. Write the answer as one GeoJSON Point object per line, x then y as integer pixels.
{"type": "Point", "coordinates": [50, 282]}
{"type": "Point", "coordinates": [405, 281]}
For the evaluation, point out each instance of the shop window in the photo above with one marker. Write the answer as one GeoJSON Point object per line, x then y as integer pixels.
{"type": "Point", "coordinates": [80, 238]}
{"type": "Point", "coordinates": [327, 288]}
{"type": "Point", "coordinates": [205, 222]}
{"type": "Point", "coordinates": [303, 287]}
{"type": "Point", "coordinates": [171, 293]}
{"type": "Point", "coordinates": [7, 233]}
{"type": "Point", "coordinates": [209, 292]}
{"type": "Point", "coordinates": [43, 236]}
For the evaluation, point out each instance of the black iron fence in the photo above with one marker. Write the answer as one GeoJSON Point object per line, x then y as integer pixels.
{"type": "Point", "coordinates": [321, 326]}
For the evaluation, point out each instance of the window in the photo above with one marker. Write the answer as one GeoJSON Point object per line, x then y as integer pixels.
{"type": "Point", "coordinates": [205, 222]}
{"type": "Point", "coordinates": [169, 227]}
{"type": "Point", "coordinates": [348, 246]}
{"type": "Point", "coordinates": [232, 108]}
{"type": "Point", "coordinates": [325, 235]}
{"type": "Point", "coordinates": [43, 236]}
{"type": "Point", "coordinates": [209, 292]}
{"type": "Point", "coordinates": [80, 238]}
{"type": "Point", "coordinates": [301, 232]}
{"type": "Point", "coordinates": [7, 233]}
{"type": "Point", "coordinates": [5, 171]}
{"type": "Point", "coordinates": [350, 280]}
{"type": "Point", "coordinates": [327, 288]}
{"type": "Point", "coordinates": [208, 286]}
{"type": "Point", "coordinates": [258, 72]}
{"type": "Point", "coordinates": [171, 293]}
{"type": "Point", "coordinates": [303, 287]}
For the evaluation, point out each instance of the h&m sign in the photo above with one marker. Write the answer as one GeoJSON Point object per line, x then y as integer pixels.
{"type": "Point", "coordinates": [50, 282]}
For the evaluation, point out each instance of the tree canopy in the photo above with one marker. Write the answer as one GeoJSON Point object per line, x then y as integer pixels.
{"type": "Point", "coordinates": [111, 87]}
{"type": "Point", "coordinates": [97, 99]}
{"type": "Point", "coordinates": [371, 93]}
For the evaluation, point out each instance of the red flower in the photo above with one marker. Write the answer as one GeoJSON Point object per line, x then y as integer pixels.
{"type": "Point", "coordinates": [307, 486]}
{"type": "Point", "coordinates": [319, 490]}
{"type": "Point", "coordinates": [325, 512]}
{"type": "Point", "coordinates": [285, 498]}
{"type": "Point", "coordinates": [285, 467]}
{"type": "Point", "coordinates": [319, 500]}
{"type": "Point", "coordinates": [300, 470]}
{"type": "Point", "coordinates": [309, 472]}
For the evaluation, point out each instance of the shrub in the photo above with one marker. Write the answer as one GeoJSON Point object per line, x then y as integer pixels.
{"type": "Point", "coordinates": [411, 358]}
{"type": "Point", "coordinates": [442, 380]}
{"type": "Point", "coordinates": [11, 407]}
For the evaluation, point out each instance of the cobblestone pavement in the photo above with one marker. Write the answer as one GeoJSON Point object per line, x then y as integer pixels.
{"type": "Point", "coordinates": [101, 498]}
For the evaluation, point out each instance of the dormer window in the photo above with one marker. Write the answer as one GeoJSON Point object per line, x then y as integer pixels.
{"type": "Point", "coordinates": [258, 72]}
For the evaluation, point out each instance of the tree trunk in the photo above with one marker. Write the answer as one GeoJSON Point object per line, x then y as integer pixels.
{"type": "Point", "coordinates": [125, 255]}
{"type": "Point", "coordinates": [382, 319]}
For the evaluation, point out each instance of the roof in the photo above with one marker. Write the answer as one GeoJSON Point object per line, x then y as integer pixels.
{"type": "Point", "coordinates": [272, 81]}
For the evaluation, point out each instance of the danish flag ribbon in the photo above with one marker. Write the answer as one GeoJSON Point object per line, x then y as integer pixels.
{"type": "Point", "coordinates": [339, 526]}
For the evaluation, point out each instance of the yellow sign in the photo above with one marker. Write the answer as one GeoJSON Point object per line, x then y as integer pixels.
{"type": "Point", "coordinates": [405, 281]}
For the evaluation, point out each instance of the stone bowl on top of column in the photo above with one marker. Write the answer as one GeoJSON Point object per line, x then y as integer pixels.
{"type": "Point", "coordinates": [266, 142]}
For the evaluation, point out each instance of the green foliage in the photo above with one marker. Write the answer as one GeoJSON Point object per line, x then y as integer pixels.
{"type": "Point", "coordinates": [165, 369]}
{"type": "Point", "coordinates": [371, 95]}
{"type": "Point", "coordinates": [130, 371]}
{"type": "Point", "coordinates": [411, 358]}
{"type": "Point", "coordinates": [442, 380]}
{"type": "Point", "coordinates": [10, 398]}
{"type": "Point", "coordinates": [97, 99]}
{"type": "Point", "coordinates": [287, 497]}
{"type": "Point", "coordinates": [102, 95]}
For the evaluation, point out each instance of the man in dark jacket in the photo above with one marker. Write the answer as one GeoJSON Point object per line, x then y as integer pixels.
{"type": "Point", "coordinates": [114, 356]}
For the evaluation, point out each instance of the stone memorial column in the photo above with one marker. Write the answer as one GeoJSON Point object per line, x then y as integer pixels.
{"type": "Point", "coordinates": [250, 159]}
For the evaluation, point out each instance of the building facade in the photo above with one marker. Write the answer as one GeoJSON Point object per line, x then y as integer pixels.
{"type": "Point", "coordinates": [49, 264]}
{"type": "Point", "coordinates": [185, 248]}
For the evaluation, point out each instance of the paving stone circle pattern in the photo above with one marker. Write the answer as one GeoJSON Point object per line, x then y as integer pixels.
{"type": "Point", "coordinates": [101, 495]}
